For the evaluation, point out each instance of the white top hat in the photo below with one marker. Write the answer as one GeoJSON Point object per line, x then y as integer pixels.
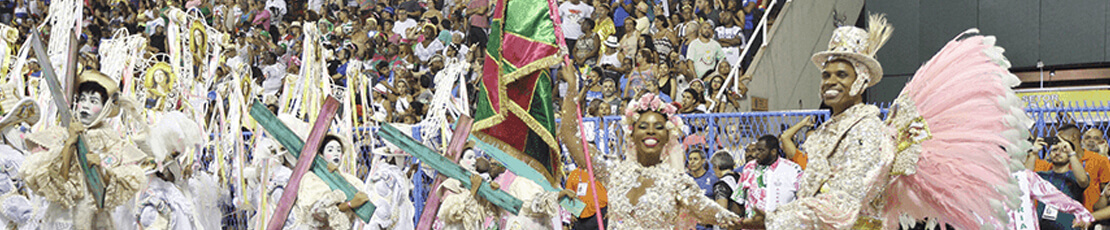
{"type": "Point", "coordinates": [858, 46]}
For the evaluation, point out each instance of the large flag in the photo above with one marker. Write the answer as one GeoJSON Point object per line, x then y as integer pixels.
{"type": "Point", "coordinates": [515, 94]}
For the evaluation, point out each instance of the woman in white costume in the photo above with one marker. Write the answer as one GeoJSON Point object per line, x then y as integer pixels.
{"type": "Point", "coordinates": [649, 188]}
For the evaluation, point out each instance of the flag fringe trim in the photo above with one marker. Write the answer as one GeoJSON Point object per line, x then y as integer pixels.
{"type": "Point", "coordinates": [515, 154]}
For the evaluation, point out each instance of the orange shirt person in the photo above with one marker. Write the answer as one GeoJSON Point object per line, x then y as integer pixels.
{"type": "Point", "coordinates": [787, 142]}
{"type": "Point", "coordinates": [1097, 167]}
{"type": "Point", "coordinates": [577, 181]}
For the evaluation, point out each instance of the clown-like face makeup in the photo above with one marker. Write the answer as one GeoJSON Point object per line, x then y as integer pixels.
{"type": "Point", "coordinates": [468, 159]}
{"type": "Point", "coordinates": [89, 105]}
{"type": "Point", "coordinates": [649, 136]}
{"type": "Point", "coordinates": [333, 151]}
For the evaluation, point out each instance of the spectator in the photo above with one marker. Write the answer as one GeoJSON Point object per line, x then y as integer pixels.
{"type": "Point", "coordinates": [585, 53]}
{"type": "Point", "coordinates": [1035, 188]}
{"type": "Point", "coordinates": [631, 40]}
{"type": "Point", "coordinates": [593, 111]}
{"type": "Point", "coordinates": [688, 30]}
{"type": "Point", "coordinates": [577, 181]}
{"type": "Point", "coordinates": [692, 102]}
{"type": "Point", "coordinates": [430, 46]}
{"type": "Point", "coordinates": [731, 37]}
{"type": "Point", "coordinates": [766, 165]}
{"type": "Point", "coordinates": [704, 52]}
{"type": "Point", "coordinates": [1098, 168]}
{"type": "Point", "coordinates": [698, 168]}
{"type": "Point", "coordinates": [728, 181]}
{"type": "Point", "coordinates": [641, 17]}
{"type": "Point", "coordinates": [1068, 176]}
{"type": "Point", "coordinates": [620, 15]}
{"type": "Point", "coordinates": [611, 59]}
{"type": "Point", "coordinates": [476, 11]}
{"type": "Point", "coordinates": [715, 81]}
{"type": "Point", "coordinates": [697, 85]}
{"type": "Point", "coordinates": [668, 83]}
{"type": "Point", "coordinates": [644, 67]}
{"type": "Point", "coordinates": [572, 13]}
{"type": "Point", "coordinates": [594, 89]}
{"type": "Point", "coordinates": [790, 150]}
{"type": "Point", "coordinates": [1094, 141]}
{"type": "Point", "coordinates": [273, 73]}
{"type": "Point", "coordinates": [588, 34]}
{"type": "Point", "coordinates": [748, 9]}
{"type": "Point", "coordinates": [650, 85]}
{"type": "Point", "coordinates": [609, 92]}
{"type": "Point", "coordinates": [603, 22]}
{"type": "Point", "coordinates": [664, 38]}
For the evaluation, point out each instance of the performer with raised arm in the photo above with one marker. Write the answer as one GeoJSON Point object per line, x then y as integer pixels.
{"type": "Point", "coordinates": [648, 189]}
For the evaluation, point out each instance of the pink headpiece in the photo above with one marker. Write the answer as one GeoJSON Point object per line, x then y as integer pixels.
{"type": "Point", "coordinates": [672, 155]}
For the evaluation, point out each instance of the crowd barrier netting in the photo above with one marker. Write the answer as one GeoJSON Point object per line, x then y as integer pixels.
{"type": "Point", "coordinates": [720, 131]}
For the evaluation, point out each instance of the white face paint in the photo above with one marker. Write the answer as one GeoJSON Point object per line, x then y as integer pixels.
{"type": "Point", "coordinates": [89, 105]}
{"type": "Point", "coordinates": [333, 151]}
{"type": "Point", "coordinates": [469, 157]}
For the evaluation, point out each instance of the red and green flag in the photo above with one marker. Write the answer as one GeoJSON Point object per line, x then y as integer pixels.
{"type": "Point", "coordinates": [515, 93]}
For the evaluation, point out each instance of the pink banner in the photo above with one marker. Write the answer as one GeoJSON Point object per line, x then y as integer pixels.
{"type": "Point", "coordinates": [304, 162]}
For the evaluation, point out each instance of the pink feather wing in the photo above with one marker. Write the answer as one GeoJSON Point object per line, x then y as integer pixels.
{"type": "Point", "coordinates": [962, 171]}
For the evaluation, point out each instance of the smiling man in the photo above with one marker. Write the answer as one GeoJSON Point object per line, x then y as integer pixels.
{"type": "Point", "coordinates": [849, 158]}
{"type": "Point", "coordinates": [1094, 141]}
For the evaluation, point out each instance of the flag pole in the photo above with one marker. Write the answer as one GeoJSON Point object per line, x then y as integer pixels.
{"type": "Point", "coordinates": [560, 39]}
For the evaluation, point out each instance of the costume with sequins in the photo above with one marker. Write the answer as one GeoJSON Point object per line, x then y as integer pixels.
{"type": "Point", "coordinates": [849, 166]}
{"type": "Point", "coordinates": [945, 152]}
{"type": "Point", "coordinates": [671, 199]}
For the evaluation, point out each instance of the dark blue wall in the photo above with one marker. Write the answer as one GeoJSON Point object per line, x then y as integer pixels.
{"type": "Point", "coordinates": [1056, 32]}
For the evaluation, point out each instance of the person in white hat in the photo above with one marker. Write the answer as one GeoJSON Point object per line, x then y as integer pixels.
{"type": "Point", "coordinates": [55, 174]}
{"type": "Point", "coordinates": [612, 55]}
